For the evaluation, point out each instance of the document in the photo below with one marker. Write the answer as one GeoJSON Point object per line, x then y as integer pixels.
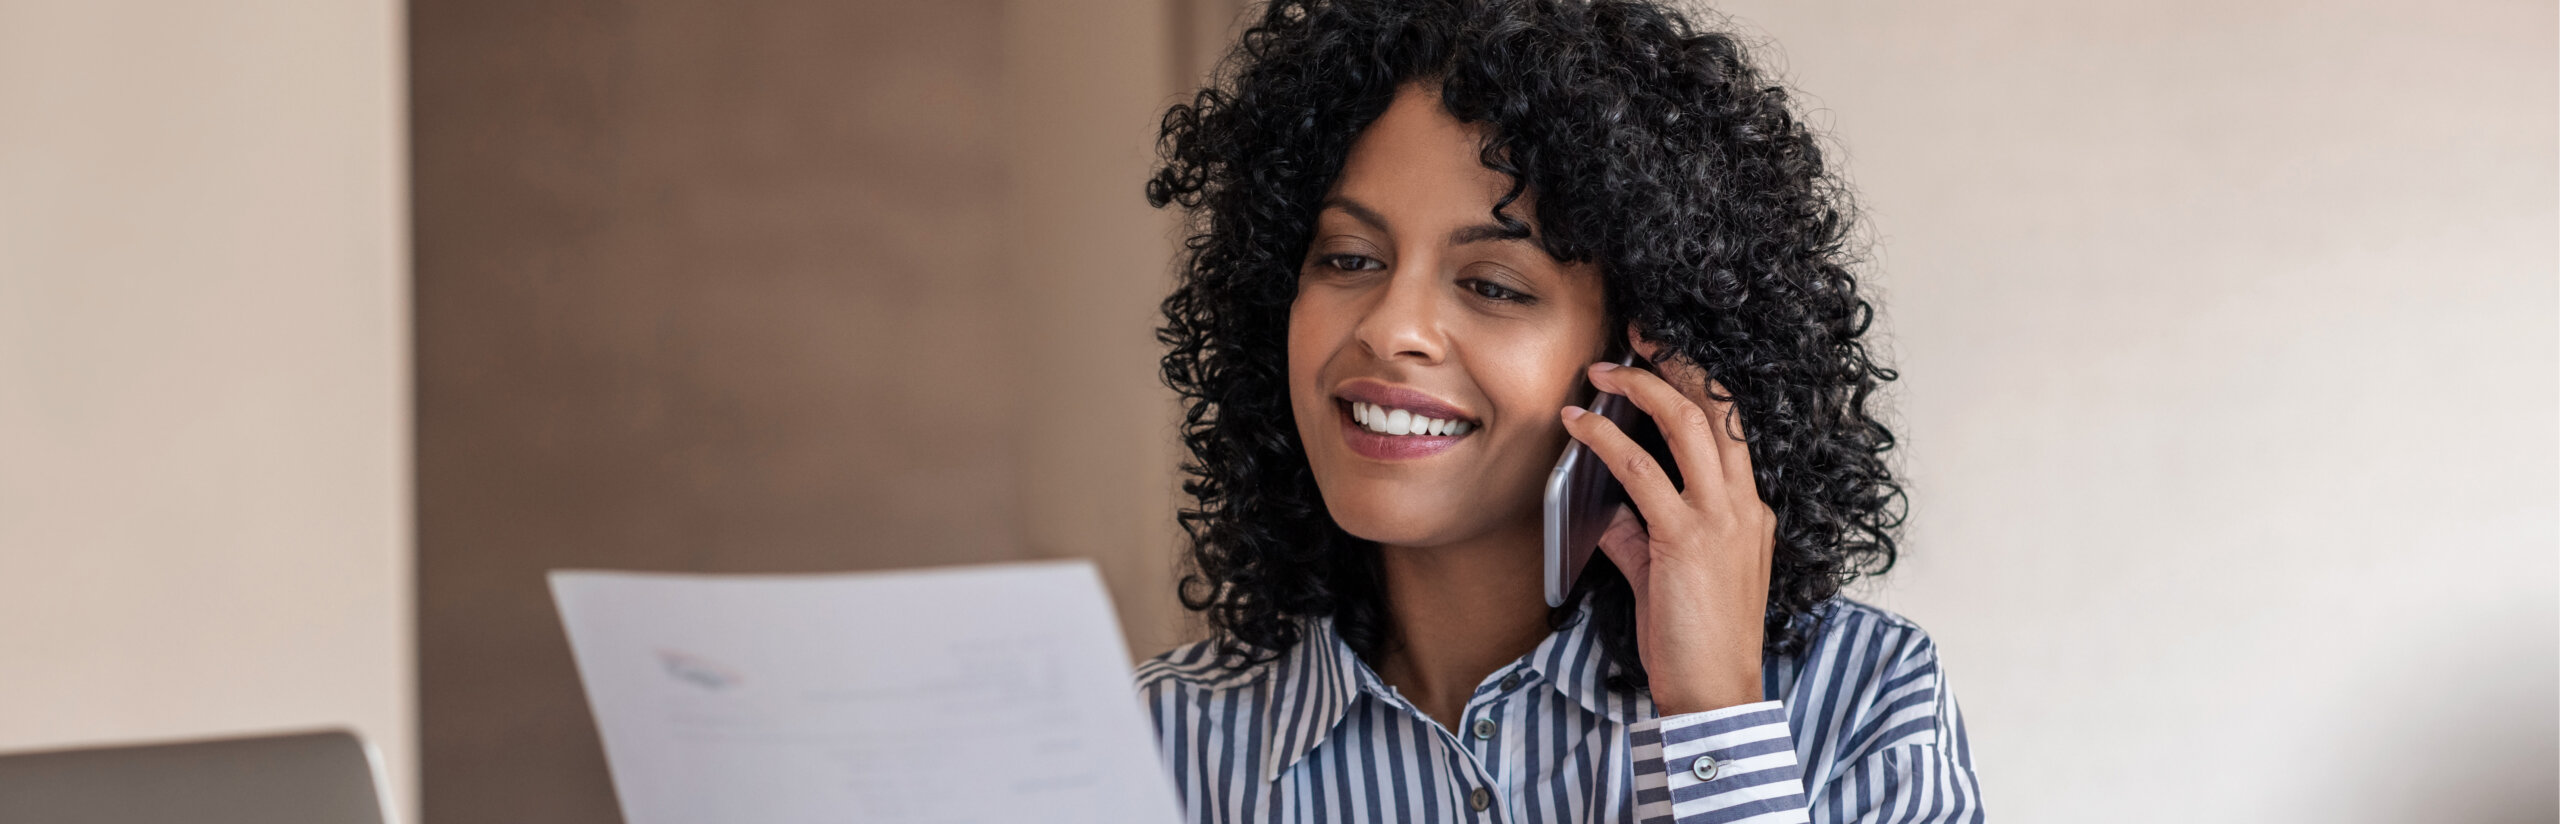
{"type": "Point", "coordinates": [965, 694]}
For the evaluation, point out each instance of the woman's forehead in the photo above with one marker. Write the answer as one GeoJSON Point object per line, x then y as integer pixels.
{"type": "Point", "coordinates": [1422, 169]}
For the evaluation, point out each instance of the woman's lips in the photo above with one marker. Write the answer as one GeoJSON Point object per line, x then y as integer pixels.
{"type": "Point", "coordinates": [1384, 447]}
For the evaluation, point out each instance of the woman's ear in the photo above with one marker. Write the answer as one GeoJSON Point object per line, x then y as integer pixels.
{"type": "Point", "coordinates": [1642, 346]}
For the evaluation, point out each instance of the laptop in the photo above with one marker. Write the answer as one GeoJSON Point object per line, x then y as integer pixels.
{"type": "Point", "coordinates": [308, 778]}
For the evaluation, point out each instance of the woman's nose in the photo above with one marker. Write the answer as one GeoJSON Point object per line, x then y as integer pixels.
{"type": "Point", "coordinates": [1404, 322]}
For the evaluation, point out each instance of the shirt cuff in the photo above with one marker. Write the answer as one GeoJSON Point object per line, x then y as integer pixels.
{"type": "Point", "coordinates": [1727, 765]}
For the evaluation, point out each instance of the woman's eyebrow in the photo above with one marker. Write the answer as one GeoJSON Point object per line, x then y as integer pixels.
{"type": "Point", "coordinates": [1358, 212]}
{"type": "Point", "coordinates": [1483, 232]}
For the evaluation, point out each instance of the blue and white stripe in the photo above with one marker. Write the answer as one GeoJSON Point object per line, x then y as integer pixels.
{"type": "Point", "coordinates": [1860, 728]}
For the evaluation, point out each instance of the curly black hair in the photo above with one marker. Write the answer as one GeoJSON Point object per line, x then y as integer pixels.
{"type": "Point", "coordinates": [1654, 147]}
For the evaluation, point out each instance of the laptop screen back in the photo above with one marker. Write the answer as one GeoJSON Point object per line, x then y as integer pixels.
{"type": "Point", "coordinates": [313, 778]}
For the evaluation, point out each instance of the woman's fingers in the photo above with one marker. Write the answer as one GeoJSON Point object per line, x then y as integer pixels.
{"type": "Point", "coordinates": [1723, 423]}
{"type": "Point", "coordinates": [1740, 485]}
{"type": "Point", "coordinates": [1727, 426]}
{"type": "Point", "coordinates": [1635, 469]}
{"type": "Point", "coordinates": [1688, 428]}
{"type": "Point", "coordinates": [1627, 543]}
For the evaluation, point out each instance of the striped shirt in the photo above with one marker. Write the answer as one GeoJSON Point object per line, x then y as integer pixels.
{"type": "Point", "coordinates": [1859, 727]}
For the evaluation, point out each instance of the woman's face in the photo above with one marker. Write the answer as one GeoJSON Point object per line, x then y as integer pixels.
{"type": "Point", "coordinates": [1455, 343]}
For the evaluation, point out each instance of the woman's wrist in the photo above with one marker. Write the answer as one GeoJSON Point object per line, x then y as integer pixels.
{"type": "Point", "coordinates": [1735, 690]}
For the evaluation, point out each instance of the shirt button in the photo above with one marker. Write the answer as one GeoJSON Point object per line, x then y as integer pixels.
{"type": "Point", "coordinates": [1484, 729]}
{"type": "Point", "coordinates": [1480, 799]}
{"type": "Point", "coordinates": [1705, 768]}
{"type": "Point", "coordinates": [1510, 682]}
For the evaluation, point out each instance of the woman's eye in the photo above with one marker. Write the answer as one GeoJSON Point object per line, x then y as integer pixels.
{"type": "Point", "coordinates": [1350, 263]}
{"type": "Point", "coordinates": [1490, 290]}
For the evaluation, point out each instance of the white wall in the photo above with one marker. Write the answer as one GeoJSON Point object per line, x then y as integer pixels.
{"type": "Point", "coordinates": [203, 372]}
{"type": "Point", "coordinates": [2228, 347]}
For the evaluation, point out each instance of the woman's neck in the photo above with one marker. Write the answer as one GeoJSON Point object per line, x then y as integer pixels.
{"type": "Point", "coordinates": [1461, 612]}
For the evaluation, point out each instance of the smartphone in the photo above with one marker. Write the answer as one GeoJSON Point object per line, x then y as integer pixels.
{"type": "Point", "coordinates": [1582, 494]}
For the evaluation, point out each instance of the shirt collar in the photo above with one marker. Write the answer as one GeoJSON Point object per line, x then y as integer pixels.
{"type": "Point", "coordinates": [1311, 688]}
{"type": "Point", "coordinates": [1314, 684]}
{"type": "Point", "coordinates": [1575, 663]}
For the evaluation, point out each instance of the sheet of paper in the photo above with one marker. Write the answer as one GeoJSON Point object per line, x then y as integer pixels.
{"type": "Point", "coordinates": [966, 694]}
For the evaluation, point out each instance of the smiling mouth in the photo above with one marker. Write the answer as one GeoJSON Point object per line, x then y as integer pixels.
{"type": "Point", "coordinates": [1393, 422]}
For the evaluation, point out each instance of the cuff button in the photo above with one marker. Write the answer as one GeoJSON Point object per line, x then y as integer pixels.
{"type": "Point", "coordinates": [1706, 768]}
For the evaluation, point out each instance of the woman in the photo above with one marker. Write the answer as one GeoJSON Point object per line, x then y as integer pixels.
{"type": "Point", "coordinates": [1420, 228]}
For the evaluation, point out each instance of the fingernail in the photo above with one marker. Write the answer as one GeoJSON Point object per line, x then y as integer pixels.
{"type": "Point", "coordinates": [1603, 366]}
{"type": "Point", "coordinates": [1573, 413]}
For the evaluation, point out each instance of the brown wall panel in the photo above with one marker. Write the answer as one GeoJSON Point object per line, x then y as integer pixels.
{"type": "Point", "coordinates": [700, 286]}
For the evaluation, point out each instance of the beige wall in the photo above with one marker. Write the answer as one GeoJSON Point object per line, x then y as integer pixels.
{"type": "Point", "coordinates": [203, 372]}
{"type": "Point", "coordinates": [807, 285]}
{"type": "Point", "coordinates": [1086, 83]}
{"type": "Point", "coordinates": [2227, 334]}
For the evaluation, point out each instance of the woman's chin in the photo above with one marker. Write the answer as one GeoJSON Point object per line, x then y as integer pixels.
{"type": "Point", "coordinates": [1406, 526]}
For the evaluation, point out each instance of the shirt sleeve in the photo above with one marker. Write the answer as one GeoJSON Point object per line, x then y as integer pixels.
{"type": "Point", "coordinates": [1736, 764]}
{"type": "Point", "coordinates": [1918, 783]}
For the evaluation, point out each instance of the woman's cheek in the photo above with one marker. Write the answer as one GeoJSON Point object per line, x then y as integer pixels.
{"type": "Point", "coordinates": [1305, 368]}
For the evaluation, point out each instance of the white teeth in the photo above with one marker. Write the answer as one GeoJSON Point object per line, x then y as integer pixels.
{"type": "Point", "coordinates": [1388, 421]}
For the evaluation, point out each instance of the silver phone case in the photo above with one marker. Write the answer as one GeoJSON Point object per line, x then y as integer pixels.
{"type": "Point", "coordinates": [1563, 567]}
{"type": "Point", "coordinates": [1570, 541]}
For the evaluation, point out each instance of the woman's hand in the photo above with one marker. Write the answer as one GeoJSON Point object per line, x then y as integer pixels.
{"type": "Point", "coordinates": [1699, 559]}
